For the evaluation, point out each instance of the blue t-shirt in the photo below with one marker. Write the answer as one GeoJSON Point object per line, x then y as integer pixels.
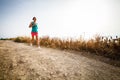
{"type": "Point", "coordinates": [34, 27]}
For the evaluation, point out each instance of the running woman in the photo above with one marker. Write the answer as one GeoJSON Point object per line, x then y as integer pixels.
{"type": "Point", "coordinates": [34, 31]}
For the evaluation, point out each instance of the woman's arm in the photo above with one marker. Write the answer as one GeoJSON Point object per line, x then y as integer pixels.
{"type": "Point", "coordinates": [30, 25]}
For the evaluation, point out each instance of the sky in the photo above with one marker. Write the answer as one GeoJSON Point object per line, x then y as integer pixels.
{"type": "Point", "coordinates": [60, 18]}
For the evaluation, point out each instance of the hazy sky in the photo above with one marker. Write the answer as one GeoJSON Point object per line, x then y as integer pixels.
{"type": "Point", "coordinates": [60, 18]}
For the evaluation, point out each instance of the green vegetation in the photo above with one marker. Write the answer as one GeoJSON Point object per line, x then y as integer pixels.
{"type": "Point", "coordinates": [4, 38]}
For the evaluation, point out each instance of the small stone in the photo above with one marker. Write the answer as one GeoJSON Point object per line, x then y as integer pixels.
{"type": "Point", "coordinates": [51, 73]}
{"type": "Point", "coordinates": [65, 74]}
{"type": "Point", "coordinates": [57, 72]}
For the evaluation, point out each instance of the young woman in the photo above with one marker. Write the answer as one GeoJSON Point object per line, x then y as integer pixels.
{"type": "Point", "coordinates": [34, 31]}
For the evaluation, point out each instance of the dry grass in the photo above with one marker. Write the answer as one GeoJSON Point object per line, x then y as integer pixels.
{"type": "Point", "coordinates": [98, 45]}
{"type": "Point", "coordinates": [22, 39]}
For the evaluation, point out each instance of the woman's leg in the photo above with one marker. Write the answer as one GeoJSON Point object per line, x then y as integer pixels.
{"type": "Point", "coordinates": [37, 40]}
{"type": "Point", "coordinates": [32, 40]}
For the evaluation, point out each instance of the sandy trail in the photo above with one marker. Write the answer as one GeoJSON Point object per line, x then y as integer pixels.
{"type": "Point", "coordinates": [18, 61]}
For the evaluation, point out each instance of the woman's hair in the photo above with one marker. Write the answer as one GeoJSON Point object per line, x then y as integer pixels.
{"type": "Point", "coordinates": [34, 18]}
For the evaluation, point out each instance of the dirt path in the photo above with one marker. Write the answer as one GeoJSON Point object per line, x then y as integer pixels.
{"type": "Point", "coordinates": [19, 61]}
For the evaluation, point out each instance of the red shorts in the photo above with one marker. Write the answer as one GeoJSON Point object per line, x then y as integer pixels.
{"type": "Point", "coordinates": [34, 33]}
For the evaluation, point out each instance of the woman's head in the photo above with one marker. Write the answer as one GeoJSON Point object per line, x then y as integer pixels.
{"type": "Point", "coordinates": [34, 19]}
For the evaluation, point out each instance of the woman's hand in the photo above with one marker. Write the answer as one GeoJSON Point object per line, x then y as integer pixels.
{"type": "Point", "coordinates": [30, 25]}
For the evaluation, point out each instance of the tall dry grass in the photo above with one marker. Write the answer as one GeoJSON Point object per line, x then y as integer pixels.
{"type": "Point", "coordinates": [98, 45]}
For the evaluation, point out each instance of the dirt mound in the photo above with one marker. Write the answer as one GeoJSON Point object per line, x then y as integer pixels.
{"type": "Point", "coordinates": [19, 61]}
